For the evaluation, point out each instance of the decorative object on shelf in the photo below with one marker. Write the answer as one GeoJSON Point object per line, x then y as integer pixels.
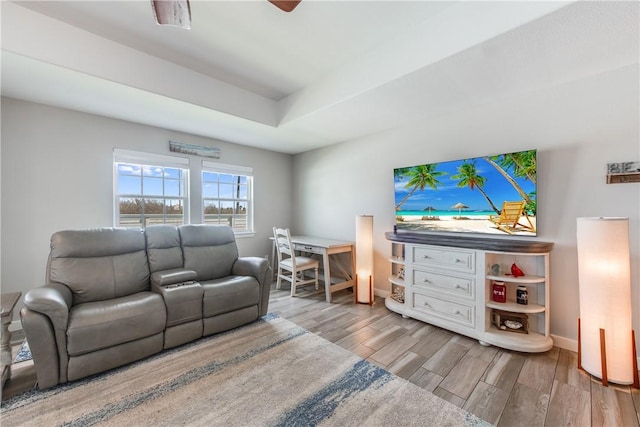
{"type": "Point", "coordinates": [400, 274]}
{"type": "Point", "coordinates": [397, 293]}
{"type": "Point", "coordinates": [509, 321]}
{"type": "Point", "coordinates": [499, 291]}
{"type": "Point", "coordinates": [522, 295]}
{"type": "Point", "coordinates": [606, 340]}
{"type": "Point", "coordinates": [495, 269]}
{"type": "Point", "coordinates": [516, 271]}
{"type": "Point", "coordinates": [619, 173]}
{"type": "Point", "coordinates": [364, 259]}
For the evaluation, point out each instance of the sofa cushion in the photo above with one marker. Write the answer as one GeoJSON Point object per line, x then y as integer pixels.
{"type": "Point", "coordinates": [209, 250]}
{"type": "Point", "coordinates": [99, 264]}
{"type": "Point", "coordinates": [229, 294]}
{"type": "Point", "coordinates": [163, 247]}
{"type": "Point", "coordinates": [102, 324]}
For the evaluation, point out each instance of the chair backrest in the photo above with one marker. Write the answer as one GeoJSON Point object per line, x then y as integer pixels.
{"type": "Point", "coordinates": [511, 211]}
{"type": "Point", "coordinates": [284, 246]}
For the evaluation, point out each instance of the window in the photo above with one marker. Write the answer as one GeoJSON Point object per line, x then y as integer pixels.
{"type": "Point", "coordinates": [227, 196]}
{"type": "Point", "coordinates": [150, 189]}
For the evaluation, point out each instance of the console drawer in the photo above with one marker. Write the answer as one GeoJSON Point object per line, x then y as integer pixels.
{"type": "Point", "coordinates": [456, 285]}
{"type": "Point", "coordinates": [453, 311]}
{"type": "Point", "coordinates": [445, 258]}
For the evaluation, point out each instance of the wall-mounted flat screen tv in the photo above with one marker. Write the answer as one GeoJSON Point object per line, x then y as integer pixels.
{"type": "Point", "coordinates": [493, 194]}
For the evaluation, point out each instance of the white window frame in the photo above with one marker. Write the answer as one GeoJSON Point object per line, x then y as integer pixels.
{"type": "Point", "coordinates": [149, 159]}
{"type": "Point", "coordinates": [246, 171]}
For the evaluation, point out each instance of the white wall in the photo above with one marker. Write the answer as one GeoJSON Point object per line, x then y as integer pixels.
{"type": "Point", "coordinates": [577, 128]}
{"type": "Point", "coordinates": [57, 173]}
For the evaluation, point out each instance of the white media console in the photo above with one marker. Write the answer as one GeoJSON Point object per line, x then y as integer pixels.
{"type": "Point", "coordinates": [446, 280]}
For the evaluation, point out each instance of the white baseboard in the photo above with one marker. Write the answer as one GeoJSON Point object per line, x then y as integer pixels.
{"type": "Point", "coordinates": [565, 343]}
{"type": "Point", "coordinates": [380, 293]}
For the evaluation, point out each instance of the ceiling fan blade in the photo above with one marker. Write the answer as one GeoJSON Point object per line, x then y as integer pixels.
{"type": "Point", "coordinates": [286, 5]}
{"type": "Point", "coordinates": [172, 12]}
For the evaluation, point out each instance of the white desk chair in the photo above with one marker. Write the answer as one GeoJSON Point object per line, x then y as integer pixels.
{"type": "Point", "coordinates": [291, 267]}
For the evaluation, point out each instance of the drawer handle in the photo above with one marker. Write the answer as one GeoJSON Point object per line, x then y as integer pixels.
{"type": "Point", "coordinates": [427, 281]}
{"type": "Point", "coordinates": [458, 260]}
{"type": "Point", "coordinates": [426, 304]}
{"type": "Point", "coordinates": [461, 287]}
{"type": "Point", "coordinates": [309, 248]}
{"type": "Point", "coordinates": [426, 257]}
{"type": "Point", "coordinates": [458, 313]}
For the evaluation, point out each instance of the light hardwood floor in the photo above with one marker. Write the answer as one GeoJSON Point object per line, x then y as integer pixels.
{"type": "Point", "coordinates": [503, 387]}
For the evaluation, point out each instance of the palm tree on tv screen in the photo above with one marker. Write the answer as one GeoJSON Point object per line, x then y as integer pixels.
{"type": "Point", "coordinates": [468, 177]}
{"type": "Point", "coordinates": [419, 177]}
{"type": "Point", "coordinates": [523, 165]}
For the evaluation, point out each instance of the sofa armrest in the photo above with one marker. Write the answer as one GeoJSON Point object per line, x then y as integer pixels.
{"type": "Point", "coordinates": [173, 276]}
{"type": "Point", "coordinates": [53, 300]}
{"type": "Point", "coordinates": [44, 321]}
{"type": "Point", "coordinates": [261, 270]}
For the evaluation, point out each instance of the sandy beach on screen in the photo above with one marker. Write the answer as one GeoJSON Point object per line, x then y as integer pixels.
{"type": "Point", "coordinates": [477, 224]}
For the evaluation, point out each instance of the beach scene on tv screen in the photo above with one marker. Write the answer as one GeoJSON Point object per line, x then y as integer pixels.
{"type": "Point", "coordinates": [492, 194]}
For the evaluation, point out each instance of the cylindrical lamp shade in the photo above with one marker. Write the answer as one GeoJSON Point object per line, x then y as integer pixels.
{"type": "Point", "coordinates": [604, 274]}
{"type": "Point", "coordinates": [364, 258]}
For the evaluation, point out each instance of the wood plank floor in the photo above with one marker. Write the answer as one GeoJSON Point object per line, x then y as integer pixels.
{"type": "Point", "coordinates": [503, 387]}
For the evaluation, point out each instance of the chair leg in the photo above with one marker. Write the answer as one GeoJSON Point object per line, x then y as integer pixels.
{"type": "Point", "coordinates": [294, 280]}
{"type": "Point", "coordinates": [279, 280]}
{"type": "Point", "coordinates": [316, 276]}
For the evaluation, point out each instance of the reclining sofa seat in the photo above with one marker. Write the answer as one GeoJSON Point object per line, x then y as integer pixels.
{"type": "Point", "coordinates": [117, 295]}
{"type": "Point", "coordinates": [97, 311]}
{"type": "Point", "coordinates": [232, 294]}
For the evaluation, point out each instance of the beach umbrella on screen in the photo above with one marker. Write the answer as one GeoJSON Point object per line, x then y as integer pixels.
{"type": "Point", "coordinates": [459, 206]}
{"type": "Point", "coordinates": [429, 208]}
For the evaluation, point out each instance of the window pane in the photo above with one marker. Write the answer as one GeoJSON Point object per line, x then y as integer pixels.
{"type": "Point", "coordinates": [226, 178]}
{"type": "Point", "coordinates": [172, 188]}
{"type": "Point", "coordinates": [242, 192]}
{"type": "Point", "coordinates": [130, 212]}
{"type": "Point", "coordinates": [172, 173]}
{"type": "Point", "coordinates": [128, 169]}
{"type": "Point", "coordinates": [209, 177]}
{"type": "Point", "coordinates": [227, 191]}
{"type": "Point", "coordinates": [210, 190]}
{"type": "Point", "coordinates": [152, 171]}
{"type": "Point", "coordinates": [174, 206]}
{"type": "Point", "coordinates": [241, 207]}
{"type": "Point", "coordinates": [152, 186]}
{"type": "Point", "coordinates": [153, 206]}
{"type": "Point", "coordinates": [174, 212]}
{"type": "Point", "coordinates": [129, 184]}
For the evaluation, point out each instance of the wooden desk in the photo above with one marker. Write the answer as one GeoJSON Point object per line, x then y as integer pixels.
{"type": "Point", "coordinates": [8, 303]}
{"type": "Point", "coordinates": [325, 248]}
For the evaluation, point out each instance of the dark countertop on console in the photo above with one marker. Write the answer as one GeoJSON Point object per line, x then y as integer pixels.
{"type": "Point", "coordinates": [471, 242]}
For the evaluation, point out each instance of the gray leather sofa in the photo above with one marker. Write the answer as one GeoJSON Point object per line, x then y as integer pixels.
{"type": "Point", "coordinates": [116, 295]}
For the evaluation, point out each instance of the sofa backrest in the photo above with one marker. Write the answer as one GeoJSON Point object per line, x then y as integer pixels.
{"type": "Point", "coordinates": [99, 264]}
{"type": "Point", "coordinates": [209, 250]}
{"type": "Point", "coordinates": [163, 247]}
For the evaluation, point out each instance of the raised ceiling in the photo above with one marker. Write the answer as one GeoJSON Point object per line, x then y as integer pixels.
{"type": "Point", "coordinates": [328, 72]}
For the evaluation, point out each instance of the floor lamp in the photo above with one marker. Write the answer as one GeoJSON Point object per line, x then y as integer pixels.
{"type": "Point", "coordinates": [364, 259]}
{"type": "Point", "coordinates": [606, 340]}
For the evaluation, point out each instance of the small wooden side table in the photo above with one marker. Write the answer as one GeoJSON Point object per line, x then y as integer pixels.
{"type": "Point", "coordinates": [9, 302]}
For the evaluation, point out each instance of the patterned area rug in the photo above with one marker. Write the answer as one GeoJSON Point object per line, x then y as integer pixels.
{"type": "Point", "coordinates": [23, 354]}
{"type": "Point", "coordinates": [268, 373]}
